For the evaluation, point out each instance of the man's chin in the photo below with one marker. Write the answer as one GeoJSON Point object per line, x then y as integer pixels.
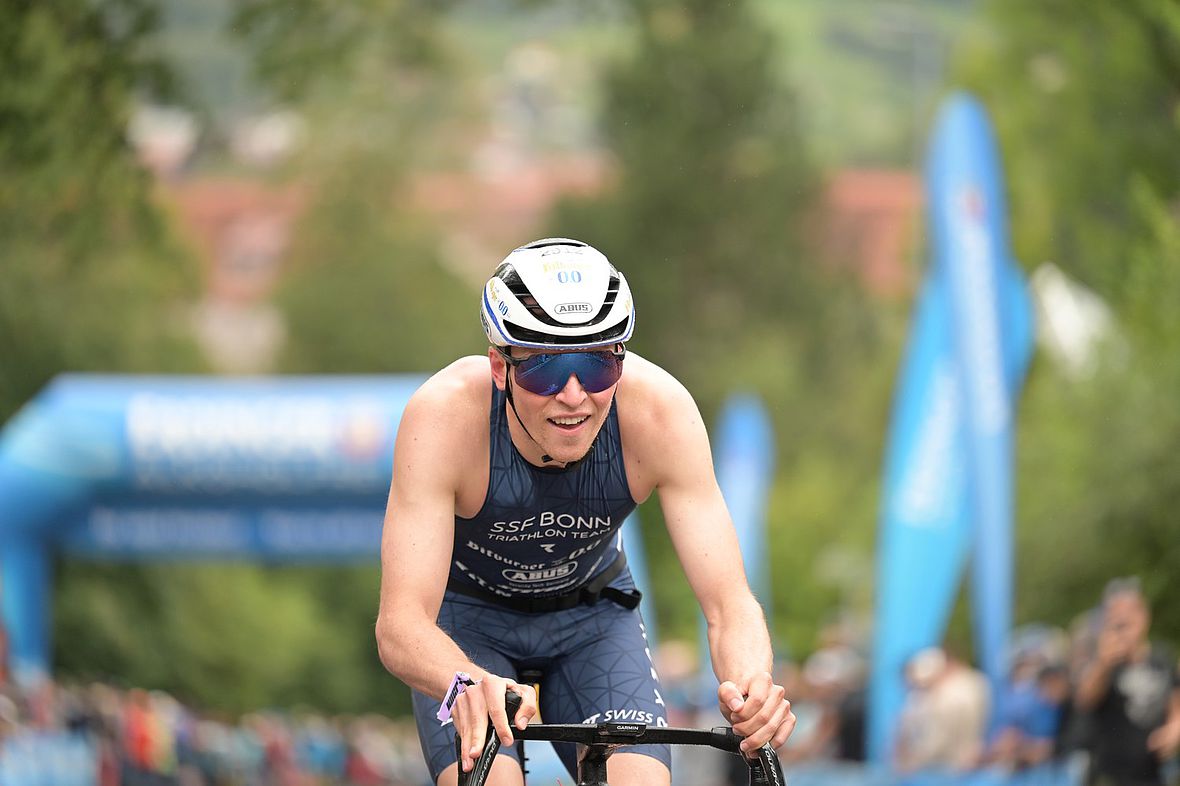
{"type": "Point", "coordinates": [571, 449]}
{"type": "Point", "coordinates": [568, 455]}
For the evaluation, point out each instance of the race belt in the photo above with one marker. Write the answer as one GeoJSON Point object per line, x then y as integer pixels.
{"type": "Point", "coordinates": [587, 595]}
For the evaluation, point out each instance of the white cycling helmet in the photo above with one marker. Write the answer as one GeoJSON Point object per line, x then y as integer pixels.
{"type": "Point", "coordinates": [558, 293]}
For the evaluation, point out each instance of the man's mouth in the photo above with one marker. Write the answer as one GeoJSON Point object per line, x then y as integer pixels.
{"type": "Point", "coordinates": [569, 423]}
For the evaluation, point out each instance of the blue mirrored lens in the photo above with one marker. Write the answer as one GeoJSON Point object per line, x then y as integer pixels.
{"type": "Point", "coordinates": [546, 374]}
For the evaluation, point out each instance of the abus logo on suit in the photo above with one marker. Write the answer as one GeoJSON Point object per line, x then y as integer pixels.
{"type": "Point", "coordinates": [548, 574]}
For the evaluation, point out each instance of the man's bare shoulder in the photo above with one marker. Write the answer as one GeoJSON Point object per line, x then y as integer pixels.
{"type": "Point", "coordinates": [648, 391]}
{"type": "Point", "coordinates": [454, 399]}
{"type": "Point", "coordinates": [466, 377]}
{"type": "Point", "coordinates": [660, 425]}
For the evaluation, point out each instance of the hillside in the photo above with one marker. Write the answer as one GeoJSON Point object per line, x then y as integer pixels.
{"type": "Point", "coordinates": [867, 72]}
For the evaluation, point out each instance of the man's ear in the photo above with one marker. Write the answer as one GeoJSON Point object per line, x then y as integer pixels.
{"type": "Point", "coordinates": [499, 368]}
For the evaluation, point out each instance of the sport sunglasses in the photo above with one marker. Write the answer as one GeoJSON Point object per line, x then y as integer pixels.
{"type": "Point", "coordinates": [548, 373]}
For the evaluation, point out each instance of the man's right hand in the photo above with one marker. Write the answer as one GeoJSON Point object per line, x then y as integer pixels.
{"type": "Point", "coordinates": [1114, 647]}
{"type": "Point", "coordinates": [485, 701]}
{"type": "Point", "coordinates": [757, 708]}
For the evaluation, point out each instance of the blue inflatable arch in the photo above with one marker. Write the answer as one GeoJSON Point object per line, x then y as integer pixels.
{"type": "Point", "coordinates": [134, 468]}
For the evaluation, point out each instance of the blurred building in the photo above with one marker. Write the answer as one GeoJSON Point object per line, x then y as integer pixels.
{"type": "Point", "coordinates": [870, 218]}
{"type": "Point", "coordinates": [241, 230]}
{"type": "Point", "coordinates": [265, 140]}
{"type": "Point", "coordinates": [164, 138]}
{"type": "Point", "coordinates": [240, 227]}
{"type": "Point", "coordinates": [871, 223]}
{"type": "Point", "coordinates": [487, 211]}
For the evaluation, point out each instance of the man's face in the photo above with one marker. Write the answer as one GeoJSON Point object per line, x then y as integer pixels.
{"type": "Point", "coordinates": [564, 424]}
{"type": "Point", "coordinates": [1126, 616]}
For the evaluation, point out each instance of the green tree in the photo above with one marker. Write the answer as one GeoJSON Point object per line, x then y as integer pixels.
{"type": "Point", "coordinates": [712, 217]}
{"type": "Point", "coordinates": [713, 183]}
{"type": "Point", "coordinates": [92, 278]}
{"type": "Point", "coordinates": [1086, 98]}
{"type": "Point", "coordinates": [366, 290]}
{"type": "Point", "coordinates": [301, 46]}
{"type": "Point", "coordinates": [232, 638]}
{"type": "Point", "coordinates": [1098, 455]}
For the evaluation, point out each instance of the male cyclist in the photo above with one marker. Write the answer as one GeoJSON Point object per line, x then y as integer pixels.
{"type": "Point", "coordinates": [502, 552]}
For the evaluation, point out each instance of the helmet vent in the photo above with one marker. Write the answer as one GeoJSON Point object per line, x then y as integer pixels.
{"type": "Point", "coordinates": [554, 242]}
{"type": "Point", "coordinates": [527, 336]}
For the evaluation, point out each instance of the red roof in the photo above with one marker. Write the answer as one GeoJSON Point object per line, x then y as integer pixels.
{"type": "Point", "coordinates": [241, 228]}
{"type": "Point", "coordinates": [871, 216]}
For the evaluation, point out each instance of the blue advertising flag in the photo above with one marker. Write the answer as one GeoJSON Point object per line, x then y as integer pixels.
{"type": "Point", "coordinates": [948, 485]}
{"type": "Point", "coordinates": [744, 459]}
{"type": "Point", "coordinates": [925, 524]}
{"type": "Point", "coordinates": [745, 467]}
{"type": "Point", "coordinates": [991, 326]}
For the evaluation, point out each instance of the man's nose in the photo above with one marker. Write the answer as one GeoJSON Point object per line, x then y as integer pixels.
{"type": "Point", "coordinates": [573, 393]}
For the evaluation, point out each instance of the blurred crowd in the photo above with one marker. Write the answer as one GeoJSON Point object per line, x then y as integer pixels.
{"type": "Point", "coordinates": [1101, 700]}
{"type": "Point", "coordinates": [1098, 704]}
{"type": "Point", "coordinates": [100, 734]}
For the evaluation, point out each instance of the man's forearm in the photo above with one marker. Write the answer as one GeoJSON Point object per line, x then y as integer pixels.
{"type": "Point", "coordinates": [421, 655]}
{"type": "Point", "coordinates": [1093, 685]}
{"type": "Point", "coordinates": [739, 642]}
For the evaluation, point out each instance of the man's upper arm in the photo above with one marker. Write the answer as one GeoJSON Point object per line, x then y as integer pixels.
{"type": "Point", "coordinates": [419, 524]}
{"type": "Point", "coordinates": [694, 509]}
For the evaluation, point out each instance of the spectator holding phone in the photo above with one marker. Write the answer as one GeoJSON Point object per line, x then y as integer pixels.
{"type": "Point", "coordinates": [1131, 691]}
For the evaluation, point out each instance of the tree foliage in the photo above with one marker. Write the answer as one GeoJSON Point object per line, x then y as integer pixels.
{"type": "Point", "coordinates": [92, 278]}
{"type": "Point", "coordinates": [713, 181]}
{"type": "Point", "coordinates": [231, 638]}
{"type": "Point", "coordinates": [713, 220]}
{"type": "Point", "coordinates": [299, 46]}
{"type": "Point", "coordinates": [365, 289]}
{"type": "Point", "coordinates": [1086, 98]}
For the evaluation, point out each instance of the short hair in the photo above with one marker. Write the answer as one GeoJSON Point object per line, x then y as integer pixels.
{"type": "Point", "coordinates": [1127, 585]}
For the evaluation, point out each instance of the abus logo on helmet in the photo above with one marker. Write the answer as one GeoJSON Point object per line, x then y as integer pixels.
{"type": "Point", "coordinates": [572, 308]}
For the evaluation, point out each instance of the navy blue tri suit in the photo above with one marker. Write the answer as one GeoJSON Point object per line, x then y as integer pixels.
{"type": "Point", "coordinates": [526, 592]}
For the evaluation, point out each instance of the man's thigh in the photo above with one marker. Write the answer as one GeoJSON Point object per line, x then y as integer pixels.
{"type": "Point", "coordinates": [607, 676]}
{"type": "Point", "coordinates": [622, 769]}
{"type": "Point", "coordinates": [635, 769]}
{"type": "Point", "coordinates": [505, 772]}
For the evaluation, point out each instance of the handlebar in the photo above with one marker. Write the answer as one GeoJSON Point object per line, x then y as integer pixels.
{"type": "Point", "coordinates": [604, 738]}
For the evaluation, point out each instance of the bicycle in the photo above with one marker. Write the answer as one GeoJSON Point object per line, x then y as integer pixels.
{"type": "Point", "coordinates": [603, 739]}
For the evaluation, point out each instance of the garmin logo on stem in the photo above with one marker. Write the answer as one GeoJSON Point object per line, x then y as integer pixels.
{"type": "Point", "coordinates": [626, 728]}
{"type": "Point", "coordinates": [572, 308]}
